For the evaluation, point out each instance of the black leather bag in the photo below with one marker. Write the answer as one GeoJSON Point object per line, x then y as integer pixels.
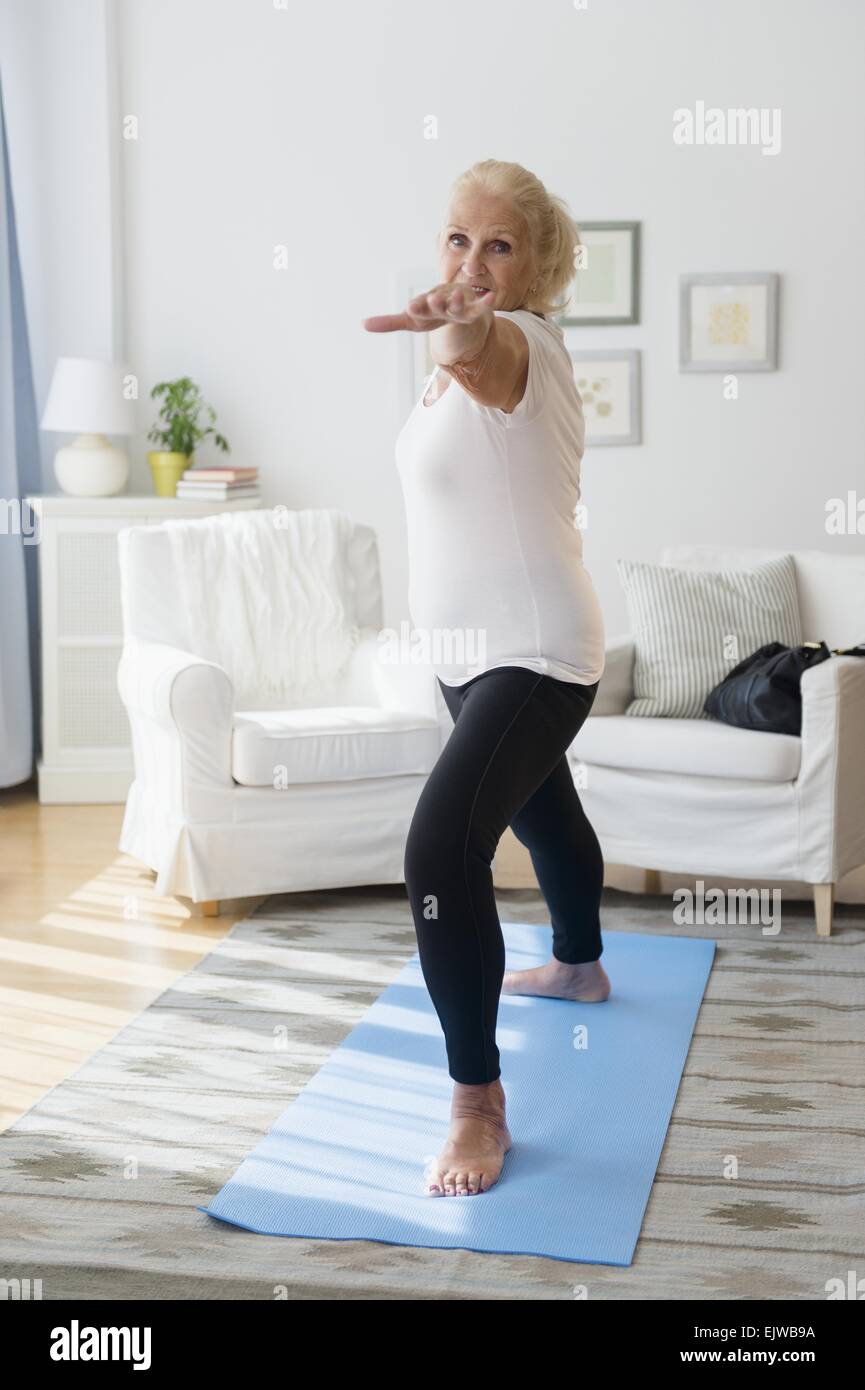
{"type": "Point", "coordinates": [763, 691]}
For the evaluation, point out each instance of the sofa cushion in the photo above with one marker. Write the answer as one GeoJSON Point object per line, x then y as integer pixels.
{"type": "Point", "coordinates": [691, 627]}
{"type": "Point", "coordinates": [831, 586]}
{"type": "Point", "coordinates": [335, 744]}
{"type": "Point", "coordinates": [696, 747]}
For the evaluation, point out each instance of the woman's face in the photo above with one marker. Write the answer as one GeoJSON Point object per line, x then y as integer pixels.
{"type": "Point", "coordinates": [484, 243]}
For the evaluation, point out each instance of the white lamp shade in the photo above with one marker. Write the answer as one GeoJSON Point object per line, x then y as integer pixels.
{"type": "Point", "coordinates": [86, 397]}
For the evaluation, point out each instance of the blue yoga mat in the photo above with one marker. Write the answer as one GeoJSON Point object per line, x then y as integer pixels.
{"type": "Point", "coordinates": [590, 1089]}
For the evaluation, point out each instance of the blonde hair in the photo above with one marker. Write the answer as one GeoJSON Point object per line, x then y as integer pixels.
{"type": "Point", "coordinates": [553, 233]}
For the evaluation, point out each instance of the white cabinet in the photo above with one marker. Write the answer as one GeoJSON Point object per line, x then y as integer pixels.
{"type": "Point", "coordinates": [86, 746]}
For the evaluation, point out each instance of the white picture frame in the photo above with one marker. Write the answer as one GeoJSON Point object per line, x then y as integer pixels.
{"type": "Point", "coordinates": [611, 394]}
{"type": "Point", "coordinates": [606, 290]}
{"type": "Point", "coordinates": [728, 321]}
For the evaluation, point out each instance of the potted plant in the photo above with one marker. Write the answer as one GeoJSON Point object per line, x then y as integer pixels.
{"type": "Point", "coordinates": [180, 432]}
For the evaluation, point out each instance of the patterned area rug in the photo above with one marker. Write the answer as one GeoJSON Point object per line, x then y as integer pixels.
{"type": "Point", "coordinates": [759, 1192]}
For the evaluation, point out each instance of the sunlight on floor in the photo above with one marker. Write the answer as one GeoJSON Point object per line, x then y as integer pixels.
{"type": "Point", "coordinates": [79, 959]}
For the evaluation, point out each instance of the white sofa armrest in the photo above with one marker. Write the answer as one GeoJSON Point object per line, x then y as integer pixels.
{"type": "Point", "coordinates": [180, 708]}
{"type": "Point", "coordinates": [616, 690]}
{"type": "Point", "coordinates": [831, 782]}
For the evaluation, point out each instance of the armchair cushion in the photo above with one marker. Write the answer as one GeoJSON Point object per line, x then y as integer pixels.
{"type": "Point", "coordinates": [831, 587]}
{"type": "Point", "coordinates": [693, 747]}
{"type": "Point", "coordinates": [682, 620]}
{"type": "Point", "coordinates": [278, 748]}
{"type": "Point", "coordinates": [616, 690]}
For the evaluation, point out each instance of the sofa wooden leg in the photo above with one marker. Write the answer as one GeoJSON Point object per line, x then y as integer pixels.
{"type": "Point", "coordinates": [824, 901]}
{"type": "Point", "coordinates": [651, 881]}
{"type": "Point", "coordinates": [210, 908]}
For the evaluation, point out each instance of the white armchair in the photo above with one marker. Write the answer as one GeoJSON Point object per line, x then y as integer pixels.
{"type": "Point", "coordinates": [696, 796]}
{"type": "Point", "coordinates": [230, 802]}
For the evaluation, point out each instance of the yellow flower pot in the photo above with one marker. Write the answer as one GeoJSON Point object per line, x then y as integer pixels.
{"type": "Point", "coordinates": [167, 469]}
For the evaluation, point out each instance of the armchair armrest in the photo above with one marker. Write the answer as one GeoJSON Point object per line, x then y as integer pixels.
{"type": "Point", "coordinates": [831, 781]}
{"type": "Point", "coordinates": [180, 708]}
{"type": "Point", "coordinates": [616, 690]}
{"type": "Point", "coordinates": [148, 672]}
{"type": "Point", "coordinates": [400, 684]}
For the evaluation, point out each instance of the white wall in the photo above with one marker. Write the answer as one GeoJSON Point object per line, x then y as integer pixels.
{"type": "Point", "coordinates": [305, 126]}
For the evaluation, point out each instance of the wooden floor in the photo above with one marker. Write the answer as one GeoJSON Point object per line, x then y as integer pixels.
{"type": "Point", "coordinates": [84, 944]}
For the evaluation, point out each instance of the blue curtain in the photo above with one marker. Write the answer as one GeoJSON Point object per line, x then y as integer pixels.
{"type": "Point", "coordinates": [20, 475]}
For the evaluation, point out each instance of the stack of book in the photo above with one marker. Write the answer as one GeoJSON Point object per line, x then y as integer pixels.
{"type": "Point", "coordinates": [219, 484]}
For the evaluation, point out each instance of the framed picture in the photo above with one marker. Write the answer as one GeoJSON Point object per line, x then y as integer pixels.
{"type": "Point", "coordinates": [417, 364]}
{"type": "Point", "coordinates": [608, 381]}
{"type": "Point", "coordinates": [606, 285]}
{"type": "Point", "coordinates": [728, 322]}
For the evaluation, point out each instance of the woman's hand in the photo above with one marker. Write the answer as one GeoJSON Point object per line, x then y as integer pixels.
{"type": "Point", "coordinates": [448, 303]}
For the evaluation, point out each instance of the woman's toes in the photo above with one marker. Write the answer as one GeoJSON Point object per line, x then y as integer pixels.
{"type": "Point", "coordinates": [434, 1185]}
{"type": "Point", "coordinates": [474, 1182]}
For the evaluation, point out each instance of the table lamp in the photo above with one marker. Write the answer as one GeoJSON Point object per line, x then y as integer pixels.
{"type": "Point", "coordinates": [87, 398]}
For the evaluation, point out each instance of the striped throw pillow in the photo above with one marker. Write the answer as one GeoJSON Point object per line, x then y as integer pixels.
{"type": "Point", "coordinates": [691, 627]}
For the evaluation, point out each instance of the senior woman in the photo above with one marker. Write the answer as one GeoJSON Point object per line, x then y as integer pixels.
{"type": "Point", "coordinates": [489, 462]}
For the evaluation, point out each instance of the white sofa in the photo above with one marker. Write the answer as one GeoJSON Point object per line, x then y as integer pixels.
{"type": "Point", "coordinates": [689, 796]}
{"type": "Point", "coordinates": [203, 810]}
{"type": "Point", "coordinates": [696, 796]}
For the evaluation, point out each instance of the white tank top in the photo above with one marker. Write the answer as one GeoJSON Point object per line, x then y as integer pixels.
{"type": "Point", "coordinates": [496, 574]}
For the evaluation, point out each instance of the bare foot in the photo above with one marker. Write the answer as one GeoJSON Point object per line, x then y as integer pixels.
{"type": "Point", "coordinates": [477, 1142]}
{"type": "Point", "coordinates": [587, 983]}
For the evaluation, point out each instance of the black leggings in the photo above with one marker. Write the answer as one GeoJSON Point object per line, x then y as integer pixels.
{"type": "Point", "coordinates": [503, 765]}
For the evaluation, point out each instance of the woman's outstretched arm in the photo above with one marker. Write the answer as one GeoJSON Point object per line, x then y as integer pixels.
{"type": "Point", "coordinates": [486, 356]}
{"type": "Point", "coordinates": [494, 372]}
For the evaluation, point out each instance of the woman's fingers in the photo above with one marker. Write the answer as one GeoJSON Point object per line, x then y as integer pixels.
{"type": "Point", "coordinates": [416, 319]}
{"type": "Point", "coordinates": [446, 303]}
{"type": "Point", "coordinates": [458, 303]}
{"type": "Point", "coordinates": [387, 323]}
{"type": "Point", "coordinates": [437, 300]}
